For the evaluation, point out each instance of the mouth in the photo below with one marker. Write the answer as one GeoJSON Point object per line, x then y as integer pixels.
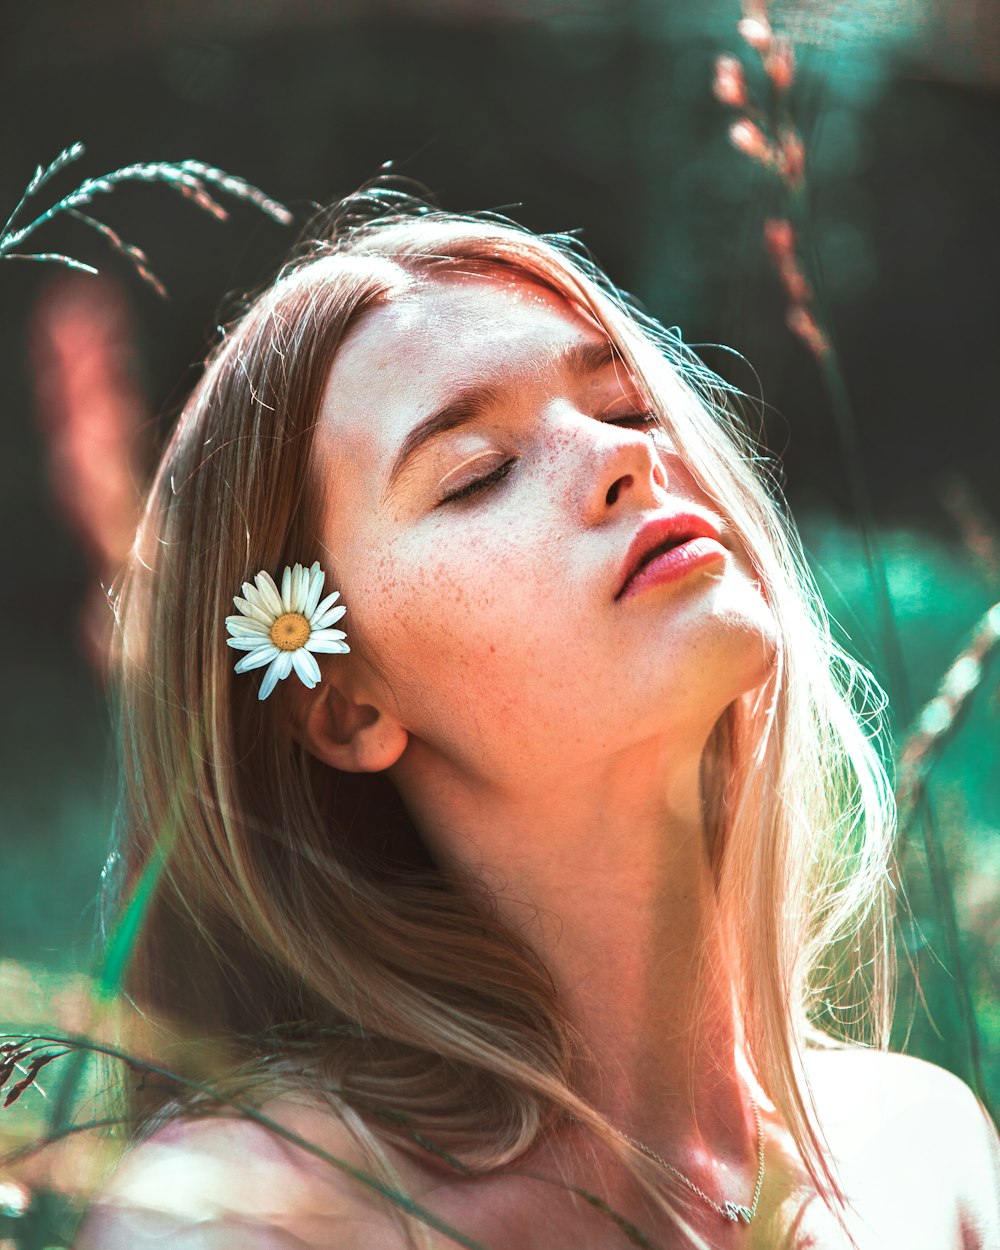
{"type": "Point", "coordinates": [663, 535]}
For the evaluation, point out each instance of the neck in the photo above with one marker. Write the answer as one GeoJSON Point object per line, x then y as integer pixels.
{"type": "Point", "coordinates": [613, 889]}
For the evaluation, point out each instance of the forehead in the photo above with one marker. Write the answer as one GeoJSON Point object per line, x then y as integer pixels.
{"type": "Point", "coordinates": [407, 356]}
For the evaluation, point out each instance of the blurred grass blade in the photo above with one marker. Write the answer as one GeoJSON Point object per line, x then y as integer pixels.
{"type": "Point", "coordinates": [41, 177]}
{"type": "Point", "coordinates": [55, 257]}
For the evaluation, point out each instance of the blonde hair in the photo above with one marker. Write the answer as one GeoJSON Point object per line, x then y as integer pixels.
{"type": "Point", "coordinates": [298, 916]}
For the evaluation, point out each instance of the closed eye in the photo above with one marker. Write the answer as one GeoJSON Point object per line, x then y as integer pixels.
{"type": "Point", "coordinates": [643, 420]}
{"type": "Point", "coordinates": [480, 483]}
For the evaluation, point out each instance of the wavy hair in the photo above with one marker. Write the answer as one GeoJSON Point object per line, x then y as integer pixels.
{"type": "Point", "coordinates": [298, 917]}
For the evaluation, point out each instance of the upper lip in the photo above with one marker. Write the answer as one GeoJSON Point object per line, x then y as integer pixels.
{"type": "Point", "coordinates": [663, 532]}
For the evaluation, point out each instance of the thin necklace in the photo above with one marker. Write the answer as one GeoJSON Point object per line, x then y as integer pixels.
{"type": "Point", "coordinates": [729, 1210]}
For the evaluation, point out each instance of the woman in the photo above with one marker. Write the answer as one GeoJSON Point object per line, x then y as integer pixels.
{"type": "Point", "coordinates": [535, 875]}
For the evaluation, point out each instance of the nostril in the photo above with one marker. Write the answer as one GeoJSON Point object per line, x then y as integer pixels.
{"type": "Point", "coordinates": [615, 488]}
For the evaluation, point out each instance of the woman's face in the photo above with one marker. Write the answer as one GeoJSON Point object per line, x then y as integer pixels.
{"type": "Point", "coordinates": [489, 465]}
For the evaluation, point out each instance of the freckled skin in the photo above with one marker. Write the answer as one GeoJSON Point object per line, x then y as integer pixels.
{"type": "Point", "coordinates": [511, 591]}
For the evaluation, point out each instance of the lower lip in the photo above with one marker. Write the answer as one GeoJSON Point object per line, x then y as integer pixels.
{"type": "Point", "coordinates": [676, 563]}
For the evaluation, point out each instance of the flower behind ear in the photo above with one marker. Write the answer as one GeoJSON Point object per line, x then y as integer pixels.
{"type": "Point", "coordinates": [282, 628]}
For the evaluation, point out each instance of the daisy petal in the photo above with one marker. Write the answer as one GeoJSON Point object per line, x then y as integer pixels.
{"type": "Point", "coordinates": [267, 592]}
{"type": "Point", "coordinates": [326, 603]}
{"type": "Point", "coordinates": [252, 610]}
{"type": "Point", "coordinates": [305, 584]}
{"type": "Point", "coordinates": [306, 667]}
{"type": "Point", "coordinates": [325, 635]}
{"type": "Point", "coordinates": [245, 644]}
{"type": "Point", "coordinates": [262, 602]}
{"type": "Point", "coordinates": [296, 601]}
{"type": "Point", "coordinates": [328, 617]}
{"type": "Point", "coordinates": [284, 664]}
{"type": "Point", "coordinates": [328, 646]}
{"type": "Point", "coordinates": [243, 626]}
{"type": "Point", "coordinates": [286, 589]}
{"type": "Point", "coordinates": [270, 679]}
{"type": "Point", "coordinates": [257, 659]}
{"type": "Point", "coordinates": [316, 579]}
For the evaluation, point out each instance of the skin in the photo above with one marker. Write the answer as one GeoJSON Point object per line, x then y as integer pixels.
{"type": "Point", "coordinates": [547, 738]}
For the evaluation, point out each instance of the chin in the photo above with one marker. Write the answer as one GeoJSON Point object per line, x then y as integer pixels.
{"type": "Point", "coordinates": [758, 674]}
{"type": "Point", "coordinates": [762, 639]}
{"type": "Point", "coordinates": [747, 644]}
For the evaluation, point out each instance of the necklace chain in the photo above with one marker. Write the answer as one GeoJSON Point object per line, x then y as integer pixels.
{"type": "Point", "coordinates": [729, 1210]}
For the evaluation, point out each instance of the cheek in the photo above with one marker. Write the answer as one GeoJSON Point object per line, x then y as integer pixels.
{"type": "Point", "coordinates": [451, 600]}
{"type": "Point", "coordinates": [441, 638]}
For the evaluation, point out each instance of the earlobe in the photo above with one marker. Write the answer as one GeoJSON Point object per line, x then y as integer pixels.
{"type": "Point", "coordinates": [354, 737]}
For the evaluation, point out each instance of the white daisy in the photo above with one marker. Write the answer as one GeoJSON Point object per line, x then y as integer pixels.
{"type": "Point", "coordinates": [282, 628]}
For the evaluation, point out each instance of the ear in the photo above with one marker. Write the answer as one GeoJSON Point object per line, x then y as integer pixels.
{"type": "Point", "coordinates": [346, 733]}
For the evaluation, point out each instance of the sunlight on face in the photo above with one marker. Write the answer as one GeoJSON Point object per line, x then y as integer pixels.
{"type": "Point", "coordinates": [489, 462]}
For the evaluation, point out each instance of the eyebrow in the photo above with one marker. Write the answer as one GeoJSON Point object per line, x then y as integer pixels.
{"type": "Point", "coordinates": [469, 403]}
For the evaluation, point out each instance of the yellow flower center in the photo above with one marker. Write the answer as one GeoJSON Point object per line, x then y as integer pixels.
{"type": "Point", "coordinates": [291, 631]}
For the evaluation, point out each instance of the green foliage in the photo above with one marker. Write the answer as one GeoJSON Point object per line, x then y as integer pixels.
{"type": "Point", "coordinates": [938, 591]}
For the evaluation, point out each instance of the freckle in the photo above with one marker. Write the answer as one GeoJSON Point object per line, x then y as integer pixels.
{"type": "Point", "coordinates": [492, 648]}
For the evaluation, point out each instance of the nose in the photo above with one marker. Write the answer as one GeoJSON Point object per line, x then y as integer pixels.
{"type": "Point", "coordinates": [623, 467]}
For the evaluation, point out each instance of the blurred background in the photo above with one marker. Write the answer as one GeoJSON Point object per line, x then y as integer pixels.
{"type": "Point", "coordinates": [596, 116]}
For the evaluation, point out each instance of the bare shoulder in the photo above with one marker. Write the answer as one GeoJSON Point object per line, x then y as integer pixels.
{"type": "Point", "coordinates": [221, 1181]}
{"type": "Point", "coordinates": [909, 1119]}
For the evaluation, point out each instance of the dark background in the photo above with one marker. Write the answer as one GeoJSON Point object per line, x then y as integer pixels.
{"type": "Point", "coordinates": [596, 117]}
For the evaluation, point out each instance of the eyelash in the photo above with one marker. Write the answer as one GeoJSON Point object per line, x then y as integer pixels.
{"type": "Point", "coordinates": [480, 483]}
{"type": "Point", "coordinates": [648, 420]}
